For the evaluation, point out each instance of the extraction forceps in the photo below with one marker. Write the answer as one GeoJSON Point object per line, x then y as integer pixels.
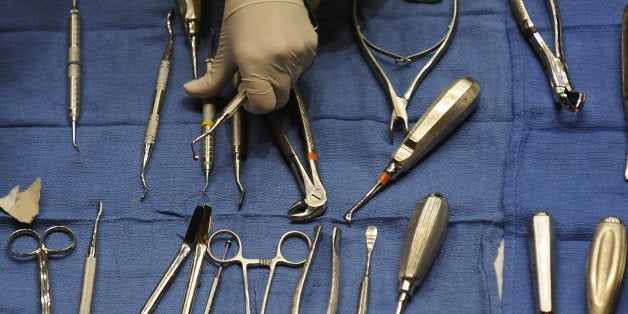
{"type": "Point", "coordinates": [400, 103]}
{"type": "Point", "coordinates": [158, 101]}
{"type": "Point", "coordinates": [555, 64]}
{"type": "Point", "coordinates": [190, 13]}
{"type": "Point", "coordinates": [245, 263]}
{"type": "Point", "coordinates": [315, 201]}
{"type": "Point", "coordinates": [450, 109]}
{"type": "Point", "coordinates": [74, 68]}
{"type": "Point", "coordinates": [196, 238]}
{"type": "Point", "coordinates": [42, 251]}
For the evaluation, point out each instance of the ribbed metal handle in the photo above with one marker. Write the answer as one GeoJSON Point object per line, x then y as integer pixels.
{"type": "Point", "coordinates": [87, 292]}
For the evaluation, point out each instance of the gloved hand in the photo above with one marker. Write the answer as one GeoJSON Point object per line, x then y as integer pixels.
{"type": "Point", "coordinates": [270, 43]}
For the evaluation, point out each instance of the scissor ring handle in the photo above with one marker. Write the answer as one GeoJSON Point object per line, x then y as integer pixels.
{"type": "Point", "coordinates": [20, 233]}
{"type": "Point", "coordinates": [284, 237]}
{"type": "Point", "coordinates": [235, 258]}
{"type": "Point", "coordinates": [61, 229]}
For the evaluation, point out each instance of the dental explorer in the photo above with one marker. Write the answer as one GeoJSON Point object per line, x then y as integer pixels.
{"type": "Point", "coordinates": [624, 72]}
{"type": "Point", "coordinates": [89, 275]}
{"type": "Point", "coordinates": [606, 265]}
{"type": "Point", "coordinates": [158, 100]}
{"type": "Point", "coordinates": [296, 298]}
{"type": "Point", "coordinates": [452, 106]}
{"type": "Point", "coordinates": [334, 293]}
{"type": "Point", "coordinates": [190, 13]}
{"type": "Point", "coordinates": [541, 242]}
{"type": "Point", "coordinates": [74, 68]}
{"type": "Point", "coordinates": [554, 62]}
{"type": "Point", "coordinates": [365, 286]}
{"type": "Point", "coordinates": [424, 236]}
{"type": "Point", "coordinates": [238, 144]}
{"type": "Point", "coordinates": [216, 281]}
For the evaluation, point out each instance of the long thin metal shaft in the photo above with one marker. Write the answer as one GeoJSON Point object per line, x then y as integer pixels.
{"type": "Point", "coordinates": [239, 152]}
{"type": "Point", "coordinates": [216, 281]}
{"type": "Point", "coordinates": [334, 293]}
{"type": "Point", "coordinates": [376, 188]}
{"type": "Point", "coordinates": [74, 68]}
{"type": "Point", "coordinates": [158, 100]}
{"type": "Point", "coordinates": [89, 274]}
{"type": "Point", "coordinates": [296, 298]}
{"type": "Point", "coordinates": [365, 286]}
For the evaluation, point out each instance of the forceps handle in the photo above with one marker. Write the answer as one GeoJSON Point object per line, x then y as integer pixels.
{"type": "Point", "coordinates": [332, 307]}
{"type": "Point", "coordinates": [195, 275]}
{"type": "Point", "coordinates": [165, 281]}
{"type": "Point", "coordinates": [288, 151]}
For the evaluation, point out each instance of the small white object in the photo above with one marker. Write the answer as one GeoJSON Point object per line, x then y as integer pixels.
{"type": "Point", "coordinates": [23, 206]}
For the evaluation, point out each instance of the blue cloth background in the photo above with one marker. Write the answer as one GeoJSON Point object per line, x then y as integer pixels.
{"type": "Point", "coordinates": [515, 155]}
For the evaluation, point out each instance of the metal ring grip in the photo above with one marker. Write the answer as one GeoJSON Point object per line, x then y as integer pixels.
{"type": "Point", "coordinates": [237, 258]}
{"type": "Point", "coordinates": [279, 256]}
{"type": "Point", "coordinates": [42, 240]}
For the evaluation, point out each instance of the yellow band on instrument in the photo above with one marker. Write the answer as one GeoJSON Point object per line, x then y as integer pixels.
{"type": "Point", "coordinates": [207, 123]}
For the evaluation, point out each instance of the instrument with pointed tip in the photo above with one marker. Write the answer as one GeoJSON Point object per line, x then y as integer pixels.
{"type": "Point", "coordinates": [424, 236]}
{"type": "Point", "coordinates": [74, 68]}
{"type": "Point", "coordinates": [158, 101]}
{"type": "Point", "coordinates": [554, 62]}
{"type": "Point", "coordinates": [209, 113]}
{"type": "Point", "coordinates": [89, 274]}
{"type": "Point", "coordinates": [238, 145]}
{"type": "Point", "coordinates": [452, 106]}
{"type": "Point", "coordinates": [606, 265]}
{"type": "Point", "coordinates": [624, 71]}
{"type": "Point", "coordinates": [541, 242]}
{"type": "Point", "coordinates": [190, 13]}
{"type": "Point", "coordinates": [365, 287]}
{"type": "Point", "coordinates": [296, 297]}
{"type": "Point", "coordinates": [334, 293]}
{"type": "Point", "coordinates": [216, 281]}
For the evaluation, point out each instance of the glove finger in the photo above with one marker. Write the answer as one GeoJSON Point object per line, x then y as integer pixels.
{"type": "Point", "coordinates": [215, 80]}
{"type": "Point", "coordinates": [263, 95]}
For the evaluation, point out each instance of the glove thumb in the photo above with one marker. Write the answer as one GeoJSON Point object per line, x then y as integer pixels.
{"type": "Point", "coordinates": [217, 76]}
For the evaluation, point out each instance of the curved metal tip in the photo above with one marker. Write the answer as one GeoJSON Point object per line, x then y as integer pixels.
{"type": "Point", "coordinates": [194, 155]}
{"type": "Point", "coordinates": [241, 200]}
{"type": "Point", "coordinates": [376, 187]}
{"type": "Point", "coordinates": [169, 22]}
{"type": "Point", "coordinates": [573, 101]}
{"type": "Point", "coordinates": [74, 135]}
{"type": "Point", "coordinates": [143, 178]}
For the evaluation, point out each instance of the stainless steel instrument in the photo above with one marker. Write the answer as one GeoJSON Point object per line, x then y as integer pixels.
{"type": "Point", "coordinates": [446, 113]}
{"type": "Point", "coordinates": [424, 236]}
{"type": "Point", "coordinates": [89, 274]}
{"type": "Point", "coordinates": [334, 293]}
{"type": "Point", "coordinates": [296, 298]}
{"type": "Point", "coordinates": [365, 287]}
{"type": "Point", "coordinates": [74, 68]}
{"type": "Point", "coordinates": [541, 242]}
{"type": "Point", "coordinates": [190, 13]}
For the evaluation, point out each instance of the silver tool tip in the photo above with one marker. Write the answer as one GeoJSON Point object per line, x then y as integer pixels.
{"type": "Point", "coordinates": [74, 134]}
{"type": "Point", "coordinates": [169, 22]}
{"type": "Point", "coordinates": [241, 200]}
{"type": "Point", "coordinates": [401, 304]}
{"type": "Point", "coordinates": [99, 211]}
{"type": "Point", "coordinates": [144, 185]}
{"type": "Point", "coordinates": [371, 237]}
{"type": "Point", "coordinates": [194, 50]}
{"type": "Point", "coordinates": [349, 215]}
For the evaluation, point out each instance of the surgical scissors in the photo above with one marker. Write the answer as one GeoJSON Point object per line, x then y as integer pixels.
{"type": "Point", "coordinates": [42, 251]}
{"type": "Point", "coordinates": [245, 263]}
{"type": "Point", "coordinates": [400, 103]}
{"type": "Point", "coordinates": [315, 201]}
{"type": "Point", "coordinates": [554, 62]}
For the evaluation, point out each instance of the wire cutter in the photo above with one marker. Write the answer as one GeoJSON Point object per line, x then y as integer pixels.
{"type": "Point", "coordinates": [555, 65]}
{"type": "Point", "coordinates": [315, 201]}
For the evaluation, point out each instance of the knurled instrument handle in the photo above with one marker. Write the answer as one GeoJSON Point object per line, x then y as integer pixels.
{"type": "Point", "coordinates": [87, 292]}
{"type": "Point", "coordinates": [74, 62]}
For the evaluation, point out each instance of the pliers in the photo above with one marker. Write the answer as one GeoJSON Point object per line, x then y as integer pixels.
{"type": "Point", "coordinates": [315, 201]}
{"type": "Point", "coordinates": [555, 65]}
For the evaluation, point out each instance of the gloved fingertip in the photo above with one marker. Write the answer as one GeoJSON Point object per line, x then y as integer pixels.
{"type": "Point", "coordinates": [198, 88]}
{"type": "Point", "coordinates": [260, 103]}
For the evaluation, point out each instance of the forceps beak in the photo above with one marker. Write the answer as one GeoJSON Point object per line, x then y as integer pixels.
{"type": "Point", "coordinates": [572, 101]}
{"type": "Point", "coordinates": [393, 119]}
{"type": "Point", "coordinates": [301, 211]}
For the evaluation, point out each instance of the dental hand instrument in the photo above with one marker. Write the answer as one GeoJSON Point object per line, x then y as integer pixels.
{"type": "Point", "coordinates": [238, 150]}
{"type": "Point", "coordinates": [74, 68]}
{"type": "Point", "coordinates": [365, 287]}
{"type": "Point", "coordinates": [245, 263]}
{"type": "Point", "coordinates": [231, 109]}
{"type": "Point", "coordinates": [334, 292]}
{"type": "Point", "coordinates": [400, 103]}
{"type": "Point", "coordinates": [89, 274]}
{"type": "Point", "coordinates": [296, 297]}
{"type": "Point", "coordinates": [606, 265]}
{"type": "Point", "coordinates": [158, 100]}
{"type": "Point", "coordinates": [202, 243]}
{"type": "Point", "coordinates": [200, 222]}
{"type": "Point", "coordinates": [209, 113]}
{"type": "Point", "coordinates": [424, 236]}
{"type": "Point", "coordinates": [314, 203]}
{"type": "Point", "coordinates": [452, 106]}
{"type": "Point", "coordinates": [42, 251]}
{"type": "Point", "coordinates": [541, 242]}
{"type": "Point", "coordinates": [216, 281]}
{"type": "Point", "coordinates": [624, 71]}
{"type": "Point", "coordinates": [190, 13]}
{"type": "Point", "coordinates": [554, 62]}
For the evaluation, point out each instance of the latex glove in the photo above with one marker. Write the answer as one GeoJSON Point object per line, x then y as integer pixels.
{"type": "Point", "coordinates": [270, 43]}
